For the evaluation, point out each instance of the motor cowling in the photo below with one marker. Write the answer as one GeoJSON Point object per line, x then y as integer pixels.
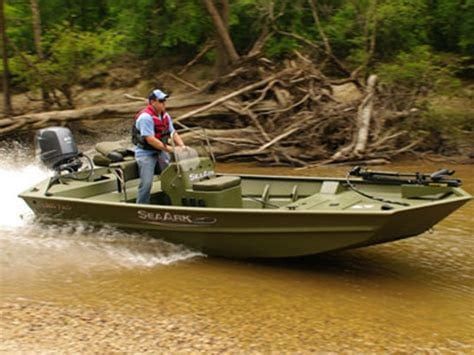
{"type": "Point", "coordinates": [57, 149]}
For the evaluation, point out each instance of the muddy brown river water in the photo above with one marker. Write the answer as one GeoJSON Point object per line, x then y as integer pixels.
{"type": "Point", "coordinates": [77, 289]}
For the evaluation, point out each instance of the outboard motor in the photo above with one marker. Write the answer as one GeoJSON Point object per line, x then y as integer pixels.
{"type": "Point", "coordinates": [57, 149]}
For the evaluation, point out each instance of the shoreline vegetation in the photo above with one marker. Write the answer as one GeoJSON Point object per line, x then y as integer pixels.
{"type": "Point", "coordinates": [314, 83]}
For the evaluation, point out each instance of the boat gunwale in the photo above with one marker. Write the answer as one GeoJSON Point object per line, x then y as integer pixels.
{"type": "Point", "coordinates": [460, 195]}
{"type": "Point", "coordinates": [246, 210]}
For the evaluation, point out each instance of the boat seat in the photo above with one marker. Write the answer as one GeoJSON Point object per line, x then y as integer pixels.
{"type": "Point", "coordinates": [217, 184]}
{"type": "Point", "coordinates": [100, 160]}
{"type": "Point", "coordinates": [111, 152]}
{"type": "Point", "coordinates": [106, 148]}
{"type": "Point", "coordinates": [127, 168]}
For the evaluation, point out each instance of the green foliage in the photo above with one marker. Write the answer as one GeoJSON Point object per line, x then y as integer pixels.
{"type": "Point", "coordinates": [185, 22]}
{"type": "Point", "coordinates": [343, 29]}
{"type": "Point", "coordinates": [278, 47]}
{"type": "Point", "coordinates": [18, 23]}
{"type": "Point", "coordinates": [466, 28]}
{"type": "Point", "coordinates": [399, 24]}
{"type": "Point", "coordinates": [158, 29]}
{"type": "Point", "coordinates": [76, 52]}
{"type": "Point", "coordinates": [453, 25]}
{"type": "Point", "coordinates": [448, 128]}
{"type": "Point", "coordinates": [296, 19]}
{"type": "Point", "coordinates": [71, 55]}
{"type": "Point", "coordinates": [245, 23]}
{"type": "Point", "coordinates": [85, 15]}
{"type": "Point", "coordinates": [426, 80]}
{"type": "Point", "coordinates": [419, 70]}
{"type": "Point", "coordinates": [402, 25]}
{"type": "Point", "coordinates": [134, 20]}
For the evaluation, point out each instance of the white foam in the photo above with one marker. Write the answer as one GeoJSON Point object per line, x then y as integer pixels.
{"type": "Point", "coordinates": [86, 246]}
{"type": "Point", "coordinates": [14, 180]}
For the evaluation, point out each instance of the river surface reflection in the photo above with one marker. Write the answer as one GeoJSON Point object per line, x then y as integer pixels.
{"type": "Point", "coordinates": [75, 288]}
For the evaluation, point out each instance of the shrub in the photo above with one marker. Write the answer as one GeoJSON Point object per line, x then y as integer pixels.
{"type": "Point", "coordinates": [418, 71]}
{"type": "Point", "coordinates": [70, 56]}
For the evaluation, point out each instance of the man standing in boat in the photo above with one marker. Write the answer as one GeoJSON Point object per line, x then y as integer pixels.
{"type": "Point", "coordinates": [152, 129]}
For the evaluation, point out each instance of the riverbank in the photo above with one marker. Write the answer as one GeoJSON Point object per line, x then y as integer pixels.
{"type": "Point", "coordinates": [441, 131]}
{"type": "Point", "coordinates": [282, 128]}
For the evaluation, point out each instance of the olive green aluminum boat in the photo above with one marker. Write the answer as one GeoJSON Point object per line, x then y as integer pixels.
{"type": "Point", "coordinates": [252, 215]}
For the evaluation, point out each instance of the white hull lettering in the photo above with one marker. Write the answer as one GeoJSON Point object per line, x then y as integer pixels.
{"type": "Point", "coordinates": [198, 176]}
{"type": "Point", "coordinates": [171, 218]}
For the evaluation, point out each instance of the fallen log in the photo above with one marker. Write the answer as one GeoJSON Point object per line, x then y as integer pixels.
{"type": "Point", "coordinates": [201, 106]}
{"type": "Point", "coordinates": [34, 120]}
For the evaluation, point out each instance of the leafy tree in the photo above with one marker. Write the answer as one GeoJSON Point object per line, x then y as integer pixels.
{"type": "Point", "coordinates": [18, 17]}
{"type": "Point", "coordinates": [402, 25]}
{"type": "Point", "coordinates": [419, 69]}
{"type": "Point", "coordinates": [85, 15]}
{"type": "Point", "coordinates": [154, 28]}
{"type": "Point", "coordinates": [71, 55]}
{"type": "Point", "coordinates": [160, 30]}
{"type": "Point", "coordinates": [453, 25]}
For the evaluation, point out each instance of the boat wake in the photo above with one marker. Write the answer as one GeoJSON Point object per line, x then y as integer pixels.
{"type": "Point", "coordinates": [90, 247]}
{"type": "Point", "coordinates": [25, 237]}
{"type": "Point", "coordinates": [17, 173]}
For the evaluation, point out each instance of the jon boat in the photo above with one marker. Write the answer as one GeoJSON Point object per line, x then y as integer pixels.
{"type": "Point", "coordinates": [239, 216]}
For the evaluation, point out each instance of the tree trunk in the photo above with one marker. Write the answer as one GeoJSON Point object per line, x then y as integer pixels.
{"type": "Point", "coordinates": [221, 30]}
{"type": "Point", "coordinates": [222, 58]}
{"type": "Point", "coordinates": [36, 18]}
{"type": "Point", "coordinates": [36, 27]}
{"type": "Point", "coordinates": [6, 73]}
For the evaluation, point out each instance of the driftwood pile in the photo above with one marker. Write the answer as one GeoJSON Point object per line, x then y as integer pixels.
{"type": "Point", "coordinates": [306, 123]}
{"type": "Point", "coordinates": [277, 115]}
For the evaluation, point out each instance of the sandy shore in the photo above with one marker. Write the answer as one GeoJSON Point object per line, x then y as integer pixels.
{"type": "Point", "coordinates": [45, 327]}
{"type": "Point", "coordinates": [32, 327]}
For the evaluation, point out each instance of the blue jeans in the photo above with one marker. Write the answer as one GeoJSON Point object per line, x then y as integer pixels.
{"type": "Point", "coordinates": [146, 169]}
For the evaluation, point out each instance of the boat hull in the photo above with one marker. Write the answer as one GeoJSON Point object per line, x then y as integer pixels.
{"type": "Point", "coordinates": [249, 233]}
